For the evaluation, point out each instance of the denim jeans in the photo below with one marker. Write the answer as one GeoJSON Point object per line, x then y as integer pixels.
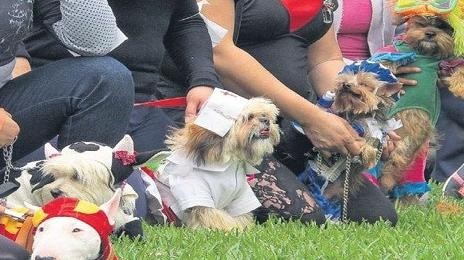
{"type": "Point", "coordinates": [85, 98]}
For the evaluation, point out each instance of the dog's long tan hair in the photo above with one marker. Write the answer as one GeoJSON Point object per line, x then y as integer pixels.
{"type": "Point", "coordinates": [240, 143]}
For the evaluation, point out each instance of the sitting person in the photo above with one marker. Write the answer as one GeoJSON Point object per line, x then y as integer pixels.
{"type": "Point", "coordinates": [269, 49]}
{"type": "Point", "coordinates": [88, 98]}
{"type": "Point", "coordinates": [151, 27]}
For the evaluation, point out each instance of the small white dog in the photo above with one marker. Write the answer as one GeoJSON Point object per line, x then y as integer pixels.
{"type": "Point", "coordinates": [206, 173]}
{"type": "Point", "coordinates": [82, 229]}
{"type": "Point", "coordinates": [84, 170]}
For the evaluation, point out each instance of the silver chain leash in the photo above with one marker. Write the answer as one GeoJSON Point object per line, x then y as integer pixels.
{"type": "Point", "coordinates": [8, 157]}
{"type": "Point", "coordinates": [346, 186]}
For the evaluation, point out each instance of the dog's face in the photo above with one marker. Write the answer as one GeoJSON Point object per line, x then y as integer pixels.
{"type": "Point", "coordinates": [71, 176]}
{"type": "Point", "coordinates": [430, 36]}
{"type": "Point", "coordinates": [77, 240]}
{"type": "Point", "coordinates": [68, 228]}
{"type": "Point", "coordinates": [357, 93]}
{"type": "Point", "coordinates": [253, 135]}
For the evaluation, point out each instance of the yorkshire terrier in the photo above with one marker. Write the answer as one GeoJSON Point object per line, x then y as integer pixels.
{"type": "Point", "coordinates": [363, 100]}
{"type": "Point", "coordinates": [207, 172]}
{"type": "Point", "coordinates": [431, 38]}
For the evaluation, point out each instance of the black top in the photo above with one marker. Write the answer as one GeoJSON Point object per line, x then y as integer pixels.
{"type": "Point", "coordinates": [147, 23]}
{"type": "Point", "coordinates": [277, 34]}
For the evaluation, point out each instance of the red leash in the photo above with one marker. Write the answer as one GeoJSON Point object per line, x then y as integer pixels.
{"type": "Point", "coordinates": [165, 103]}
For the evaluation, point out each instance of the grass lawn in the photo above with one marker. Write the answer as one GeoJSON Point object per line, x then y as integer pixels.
{"type": "Point", "coordinates": [421, 233]}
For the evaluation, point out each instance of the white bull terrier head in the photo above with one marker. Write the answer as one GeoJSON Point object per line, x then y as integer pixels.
{"type": "Point", "coordinates": [72, 229]}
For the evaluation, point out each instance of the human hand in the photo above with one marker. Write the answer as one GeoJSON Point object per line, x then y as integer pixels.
{"type": "Point", "coordinates": [390, 144]}
{"type": "Point", "coordinates": [402, 70]}
{"type": "Point", "coordinates": [22, 66]}
{"type": "Point", "coordinates": [333, 134]}
{"type": "Point", "coordinates": [8, 128]}
{"type": "Point", "coordinates": [196, 97]}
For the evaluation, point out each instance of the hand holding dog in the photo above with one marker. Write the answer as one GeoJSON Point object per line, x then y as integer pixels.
{"type": "Point", "coordinates": [402, 70]}
{"type": "Point", "coordinates": [9, 129]}
{"type": "Point", "coordinates": [333, 134]}
{"type": "Point", "coordinates": [196, 97]}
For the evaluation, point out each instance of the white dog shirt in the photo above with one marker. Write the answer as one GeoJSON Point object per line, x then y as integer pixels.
{"type": "Point", "coordinates": [217, 186]}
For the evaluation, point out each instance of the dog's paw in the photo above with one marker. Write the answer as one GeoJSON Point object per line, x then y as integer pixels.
{"type": "Point", "coordinates": [369, 156]}
{"type": "Point", "coordinates": [387, 182]}
{"type": "Point", "coordinates": [131, 229]}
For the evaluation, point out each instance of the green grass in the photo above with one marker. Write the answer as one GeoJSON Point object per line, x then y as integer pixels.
{"type": "Point", "coordinates": [421, 233]}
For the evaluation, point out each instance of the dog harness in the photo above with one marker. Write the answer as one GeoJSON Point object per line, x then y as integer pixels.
{"type": "Point", "coordinates": [425, 95]}
{"type": "Point", "coordinates": [84, 211]}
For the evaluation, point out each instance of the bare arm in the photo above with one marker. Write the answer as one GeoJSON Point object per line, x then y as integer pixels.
{"type": "Point", "coordinates": [325, 61]}
{"type": "Point", "coordinates": [239, 69]}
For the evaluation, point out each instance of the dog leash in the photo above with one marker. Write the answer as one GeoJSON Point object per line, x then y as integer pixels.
{"type": "Point", "coordinates": [165, 103]}
{"type": "Point", "coordinates": [7, 187]}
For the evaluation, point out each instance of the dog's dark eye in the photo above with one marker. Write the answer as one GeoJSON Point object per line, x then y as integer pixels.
{"type": "Point", "coordinates": [250, 117]}
{"type": "Point", "coordinates": [75, 177]}
{"type": "Point", "coordinates": [41, 229]}
{"type": "Point", "coordinates": [75, 230]}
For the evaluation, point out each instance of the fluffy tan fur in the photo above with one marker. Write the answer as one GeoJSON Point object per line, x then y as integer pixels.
{"type": "Point", "coordinates": [415, 133]}
{"type": "Point", "coordinates": [254, 135]}
{"type": "Point", "coordinates": [204, 217]}
{"type": "Point", "coordinates": [242, 142]}
{"type": "Point", "coordinates": [457, 82]}
{"type": "Point", "coordinates": [359, 96]}
{"type": "Point", "coordinates": [87, 180]}
{"type": "Point", "coordinates": [430, 36]}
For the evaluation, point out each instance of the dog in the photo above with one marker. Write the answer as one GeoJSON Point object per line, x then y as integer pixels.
{"type": "Point", "coordinates": [455, 69]}
{"type": "Point", "coordinates": [431, 38]}
{"type": "Point", "coordinates": [364, 101]}
{"type": "Point", "coordinates": [82, 228]}
{"type": "Point", "coordinates": [85, 170]}
{"type": "Point", "coordinates": [206, 173]}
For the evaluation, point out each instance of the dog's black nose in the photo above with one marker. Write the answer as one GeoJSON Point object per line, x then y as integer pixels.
{"type": "Point", "coordinates": [430, 34]}
{"type": "Point", "coordinates": [44, 258]}
{"type": "Point", "coordinates": [347, 85]}
{"type": "Point", "coordinates": [56, 193]}
{"type": "Point", "coordinates": [264, 120]}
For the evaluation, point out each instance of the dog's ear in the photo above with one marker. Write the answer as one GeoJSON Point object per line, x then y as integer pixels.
{"type": "Point", "coordinates": [111, 206]}
{"type": "Point", "coordinates": [203, 145]}
{"type": "Point", "coordinates": [125, 144]}
{"type": "Point", "coordinates": [50, 151]}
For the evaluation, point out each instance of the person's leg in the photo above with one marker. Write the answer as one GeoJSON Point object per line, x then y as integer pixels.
{"type": "Point", "coordinates": [282, 195]}
{"type": "Point", "coordinates": [78, 99]}
{"type": "Point", "coordinates": [148, 128]}
{"type": "Point", "coordinates": [9, 250]}
{"type": "Point", "coordinates": [371, 205]}
{"type": "Point", "coordinates": [450, 126]}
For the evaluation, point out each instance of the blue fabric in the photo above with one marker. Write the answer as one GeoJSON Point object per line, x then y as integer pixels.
{"type": "Point", "coordinates": [382, 72]}
{"type": "Point", "coordinates": [410, 189]}
{"type": "Point", "coordinates": [376, 171]}
{"type": "Point", "coordinates": [395, 57]}
{"type": "Point", "coordinates": [314, 184]}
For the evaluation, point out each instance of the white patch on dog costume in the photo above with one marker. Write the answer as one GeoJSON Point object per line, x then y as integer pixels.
{"type": "Point", "coordinates": [220, 111]}
{"type": "Point", "coordinates": [221, 186]}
